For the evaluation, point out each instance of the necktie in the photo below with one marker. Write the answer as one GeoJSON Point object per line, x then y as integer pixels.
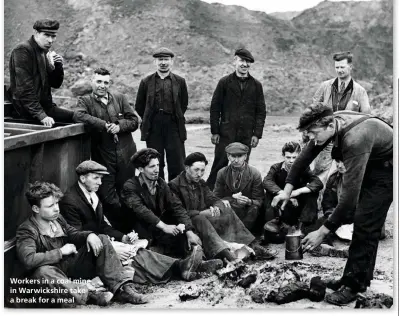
{"type": "Point", "coordinates": [342, 87]}
{"type": "Point", "coordinates": [91, 200]}
{"type": "Point", "coordinates": [236, 185]}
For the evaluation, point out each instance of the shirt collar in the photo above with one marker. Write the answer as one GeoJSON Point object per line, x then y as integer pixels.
{"type": "Point", "coordinates": [85, 191]}
{"type": "Point", "coordinates": [284, 167]}
{"type": "Point", "coordinates": [53, 230]}
{"type": "Point", "coordinates": [242, 78]}
{"type": "Point", "coordinates": [348, 83]}
{"type": "Point", "coordinates": [106, 97]}
{"type": "Point", "coordinates": [151, 185]}
{"type": "Point", "coordinates": [158, 76]}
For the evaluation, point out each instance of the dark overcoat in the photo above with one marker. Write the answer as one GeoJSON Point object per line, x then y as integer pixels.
{"type": "Point", "coordinates": [237, 115]}
{"type": "Point", "coordinates": [31, 80]}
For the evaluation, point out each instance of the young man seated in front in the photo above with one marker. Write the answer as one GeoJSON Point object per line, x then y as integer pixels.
{"type": "Point", "coordinates": [302, 209]}
{"type": "Point", "coordinates": [56, 252]}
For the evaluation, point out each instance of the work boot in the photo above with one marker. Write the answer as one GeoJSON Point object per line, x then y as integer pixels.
{"type": "Point", "coordinates": [210, 266]}
{"type": "Point", "coordinates": [128, 294]}
{"type": "Point", "coordinates": [262, 253]}
{"type": "Point", "coordinates": [333, 284]}
{"type": "Point", "coordinates": [190, 264]}
{"type": "Point", "coordinates": [341, 297]}
{"type": "Point", "coordinates": [100, 298]}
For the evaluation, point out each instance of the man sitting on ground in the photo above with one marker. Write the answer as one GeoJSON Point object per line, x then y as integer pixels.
{"type": "Point", "coordinates": [82, 209]}
{"type": "Point", "coordinates": [56, 252]}
{"type": "Point", "coordinates": [241, 185]}
{"type": "Point", "coordinates": [302, 208]}
{"type": "Point", "coordinates": [213, 218]}
{"type": "Point", "coordinates": [157, 214]}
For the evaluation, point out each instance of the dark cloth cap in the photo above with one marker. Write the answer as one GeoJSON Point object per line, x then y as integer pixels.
{"type": "Point", "coordinates": [90, 166]}
{"type": "Point", "coordinates": [245, 54]}
{"type": "Point", "coordinates": [194, 157]}
{"type": "Point", "coordinates": [46, 25]}
{"type": "Point", "coordinates": [306, 121]}
{"type": "Point", "coordinates": [163, 52]}
{"type": "Point", "coordinates": [236, 148]}
{"type": "Point", "coordinates": [142, 157]}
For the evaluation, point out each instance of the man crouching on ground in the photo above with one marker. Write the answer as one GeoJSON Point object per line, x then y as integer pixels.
{"type": "Point", "coordinates": [56, 252]}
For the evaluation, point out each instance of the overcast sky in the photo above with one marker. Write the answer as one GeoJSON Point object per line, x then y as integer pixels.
{"type": "Point", "coordinates": [270, 6]}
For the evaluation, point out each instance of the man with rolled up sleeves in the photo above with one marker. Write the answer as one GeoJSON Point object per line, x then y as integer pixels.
{"type": "Point", "coordinates": [365, 145]}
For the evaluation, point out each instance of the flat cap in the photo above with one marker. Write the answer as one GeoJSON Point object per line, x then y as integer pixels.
{"type": "Point", "coordinates": [46, 25]}
{"type": "Point", "coordinates": [245, 54]}
{"type": "Point", "coordinates": [194, 157]}
{"type": "Point", "coordinates": [90, 166]}
{"type": "Point", "coordinates": [236, 148]}
{"type": "Point", "coordinates": [312, 114]}
{"type": "Point", "coordinates": [142, 157]}
{"type": "Point", "coordinates": [163, 52]}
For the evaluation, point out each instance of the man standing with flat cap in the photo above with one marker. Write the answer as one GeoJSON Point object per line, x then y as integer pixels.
{"type": "Point", "coordinates": [237, 112]}
{"type": "Point", "coordinates": [34, 70]}
{"type": "Point", "coordinates": [365, 145]}
{"type": "Point", "coordinates": [241, 185]}
{"type": "Point", "coordinates": [111, 121]}
{"type": "Point", "coordinates": [161, 102]}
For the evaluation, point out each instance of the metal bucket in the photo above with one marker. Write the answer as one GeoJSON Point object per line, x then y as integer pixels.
{"type": "Point", "coordinates": [294, 249]}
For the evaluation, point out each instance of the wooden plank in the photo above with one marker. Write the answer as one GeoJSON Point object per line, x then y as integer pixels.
{"type": "Point", "coordinates": [26, 126]}
{"type": "Point", "coordinates": [17, 131]}
{"type": "Point", "coordinates": [37, 137]}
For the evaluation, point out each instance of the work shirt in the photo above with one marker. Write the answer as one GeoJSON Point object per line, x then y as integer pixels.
{"type": "Point", "coordinates": [92, 197]}
{"type": "Point", "coordinates": [340, 99]}
{"type": "Point", "coordinates": [365, 145]}
{"type": "Point", "coordinates": [163, 99]}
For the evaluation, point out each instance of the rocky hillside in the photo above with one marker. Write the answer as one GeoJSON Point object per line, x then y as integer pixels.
{"type": "Point", "coordinates": [292, 57]}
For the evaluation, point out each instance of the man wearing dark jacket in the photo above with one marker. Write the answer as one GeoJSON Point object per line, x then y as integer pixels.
{"type": "Point", "coordinates": [212, 217]}
{"type": "Point", "coordinates": [111, 121]}
{"type": "Point", "coordinates": [156, 214]}
{"type": "Point", "coordinates": [82, 209]}
{"type": "Point", "coordinates": [56, 253]}
{"type": "Point", "coordinates": [302, 207]}
{"type": "Point", "coordinates": [241, 185]}
{"type": "Point", "coordinates": [34, 70]}
{"type": "Point", "coordinates": [365, 145]}
{"type": "Point", "coordinates": [161, 102]}
{"type": "Point", "coordinates": [237, 112]}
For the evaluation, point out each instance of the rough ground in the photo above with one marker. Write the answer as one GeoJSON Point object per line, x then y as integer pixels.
{"type": "Point", "coordinates": [216, 294]}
